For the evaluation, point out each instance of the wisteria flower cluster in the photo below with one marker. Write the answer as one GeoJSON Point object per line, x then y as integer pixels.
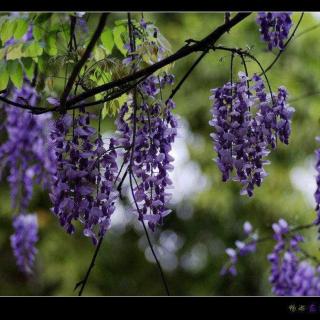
{"type": "Point", "coordinates": [80, 190]}
{"type": "Point", "coordinates": [28, 155]}
{"type": "Point", "coordinates": [247, 123]}
{"type": "Point", "coordinates": [23, 241]}
{"type": "Point", "coordinates": [154, 128]}
{"type": "Point", "coordinates": [274, 28]}
{"type": "Point", "coordinates": [146, 129]}
{"type": "Point", "coordinates": [27, 152]}
{"type": "Point", "coordinates": [291, 275]}
{"type": "Point", "coordinates": [84, 187]}
{"type": "Point", "coordinates": [243, 248]}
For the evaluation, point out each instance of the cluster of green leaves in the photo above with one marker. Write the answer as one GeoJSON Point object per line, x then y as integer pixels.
{"type": "Point", "coordinates": [18, 57]}
{"type": "Point", "coordinates": [108, 65]}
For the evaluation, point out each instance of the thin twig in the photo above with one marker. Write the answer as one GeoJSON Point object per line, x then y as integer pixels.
{"type": "Point", "coordinates": [184, 78]}
{"type": "Point", "coordinates": [85, 280]}
{"type": "Point", "coordinates": [285, 45]}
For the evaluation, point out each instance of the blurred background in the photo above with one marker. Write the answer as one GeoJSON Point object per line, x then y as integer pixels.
{"type": "Point", "coordinates": [208, 214]}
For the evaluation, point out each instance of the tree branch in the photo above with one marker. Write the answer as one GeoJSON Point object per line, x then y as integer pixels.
{"type": "Point", "coordinates": [76, 70]}
{"type": "Point", "coordinates": [85, 280]}
{"type": "Point", "coordinates": [185, 77]}
{"type": "Point", "coordinates": [183, 52]}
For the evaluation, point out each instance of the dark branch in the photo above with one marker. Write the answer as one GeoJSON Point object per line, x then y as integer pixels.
{"type": "Point", "coordinates": [22, 106]}
{"type": "Point", "coordinates": [85, 280]}
{"type": "Point", "coordinates": [183, 52]}
{"type": "Point", "coordinates": [184, 78]}
{"type": "Point", "coordinates": [82, 61]}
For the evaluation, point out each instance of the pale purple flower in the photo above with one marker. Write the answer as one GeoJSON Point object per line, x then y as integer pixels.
{"type": "Point", "coordinates": [23, 241]}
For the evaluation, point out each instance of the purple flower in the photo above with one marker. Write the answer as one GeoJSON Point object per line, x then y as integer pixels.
{"type": "Point", "coordinates": [290, 274]}
{"type": "Point", "coordinates": [143, 24]}
{"type": "Point", "coordinates": [27, 153]}
{"type": "Point", "coordinates": [53, 101]}
{"type": "Point", "coordinates": [81, 191]}
{"type": "Point", "coordinates": [243, 136]}
{"type": "Point", "coordinates": [23, 241]}
{"type": "Point", "coordinates": [274, 28]}
{"type": "Point", "coordinates": [156, 128]}
{"type": "Point", "coordinates": [243, 248]}
{"type": "Point", "coordinates": [247, 228]}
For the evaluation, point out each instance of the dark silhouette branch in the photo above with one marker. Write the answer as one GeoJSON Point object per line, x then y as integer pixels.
{"type": "Point", "coordinates": [22, 106]}
{"type": "Point", "coordinates": [185, 77]}
{"type": "Point", "coordinates": [76, 70]}
{"type": "Point", "coordinates": [203, 45]}
{"type": "Point", "coordinates": [83, 282]}
{"type": "Point", "coordinates": [186, 50]}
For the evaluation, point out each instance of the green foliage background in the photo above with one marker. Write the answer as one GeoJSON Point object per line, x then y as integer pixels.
{"type": "Point", "coordinates": [219, 211]}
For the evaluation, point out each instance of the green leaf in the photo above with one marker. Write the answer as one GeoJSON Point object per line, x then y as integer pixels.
{"type": "Point", "coordinates": [51, 45]}
{"type": "Point", "coordinates": [107, 40]}
{"type": "Point", "coordinates": [4, 75]}
{"type": "Point", "coordinates": [14, 51]}
{"type": "Point", "coordinates": [37, 32]}
{"type": "Point", "coordinates": [7, 30]}
{"type": "Point", "coordinates": [28, 67]}
{"type": "Point", "coordinates": [112, 107]}
{"type": "Point", "coordinates": [98, 97]}
{"type": "Point", "coordinates": [118, 33]}
{"type": "Point", "coordinates": [16, 73]}
{"type": "Point", "coordinates": [21, 28]}
{"type": "Point", "coordinates": [2, 53]}
{"type": "Point", "coordinates": [121, 22]}
{"type": "Point", "coordinates": [32, 49]}
{"type": "Point", "coordinates": [99, 54]}
{"type": "Point", "coordinates": [43, 17]}
{"type": "Point", "coordinates": [3, 19]}
{"type": "Point", "coordinates": [41, 63]}
{"type": "Point", "coordinates": [122, 99]}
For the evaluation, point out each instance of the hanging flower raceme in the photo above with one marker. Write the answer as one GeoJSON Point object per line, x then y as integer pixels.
{"type": "Point", "coordinates": [274, 28]}
{"type": "Point", "coordinates": [155, 130]}
{"type": "Point", "coordinates": [247, 123]}
{"type": "Point", "coordinates": [27, 152]}
{"type": "Point", "coordinates": [28, 156]}
{"type": "Point", "coordinates": [80, 190]}
{"type": "Point", "coordinates": [146, 129]}
{"type": "Point", "coordinates": [23, 241]}
{"type": "Point", "coordinates": [291, 275]}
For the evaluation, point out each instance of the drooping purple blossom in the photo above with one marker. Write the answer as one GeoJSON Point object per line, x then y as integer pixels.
{"type": "Point", "coordinates": [23, 241]}
{"type": "Point", "coordinates": [291, 273]}
{"type": "Point", "coordinates": [156, 128]}
{"type": "Point", "coordinates": [146, 130]}
{"type": "Point", "coordinates": [274, 28]}
{"type": "Point", "coordinates": [247, 123]}
{"type": "Point", "coordinates": [27, 152]}
{"type": "Point", "coordinates": [83, 188]}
